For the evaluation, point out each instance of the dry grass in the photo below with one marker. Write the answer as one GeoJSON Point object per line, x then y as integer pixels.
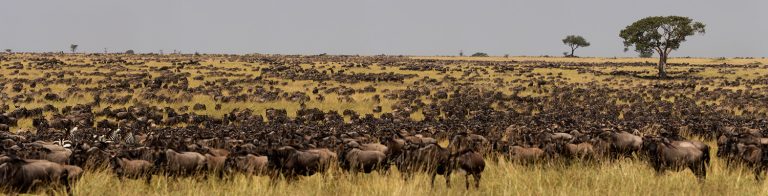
{"type": "Point", "coordinates": [623, 177]}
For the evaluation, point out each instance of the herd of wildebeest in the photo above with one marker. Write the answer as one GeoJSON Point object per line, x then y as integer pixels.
{"type": "Point", "coordinates": [520, 115]}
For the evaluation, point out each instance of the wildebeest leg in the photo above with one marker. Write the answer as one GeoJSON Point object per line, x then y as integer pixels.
{"type": "Point", "coordinates": [273, 177]}
{"type": "Point", "coordinates": [434, 174]}
{"type": "Point", "coordinates": [759, 173]}
{"type": "Point", "coordinates": [447, 176]}
{"type": "Point", "coordinates": [466, 180]}
{"type": "Point", "coordinates": [120, 177]}
{"type": "Point", "coordinates": [65, 180]}
{"type": "Point", "coordinates": [220, 173]}
{"type": "Point", "coordinates": [149, 178]}
{"type": "Point", "coordinates": [447, 180]}
{"type": "Point", "coordinates": [477, 180]}
{"type": "Point", "coordinates": [699, 170]}
{"type": "Point", "coordinates": [384, 169]}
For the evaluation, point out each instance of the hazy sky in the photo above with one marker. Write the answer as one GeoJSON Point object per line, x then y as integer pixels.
{"type": "Point", "coordinates": [410, 27]}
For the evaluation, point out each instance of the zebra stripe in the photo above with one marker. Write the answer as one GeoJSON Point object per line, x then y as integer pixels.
{"type": "Point", "coordinates": [115, 136]}
{"type": "Point", "coordinates": [72, 134]}
{"type": "Point", "coordinates": [129, 138]}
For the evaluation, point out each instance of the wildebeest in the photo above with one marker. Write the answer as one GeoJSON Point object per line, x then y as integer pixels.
{"type": "Point", "coordinates": [747, 149]}
{"type": "Point", "coordinates": [292, 163]}
{"type": "Point", "coordinates": [215, 163]}
{"type": "Point", "coordinates": [432, 159]}
{"type": "Point", "coordinates": [133, 169]}
{"type": "Point", "coordinates": [180, 164]}
{"type": "Point", "coordinates": [51, 152]}
{"type": "Point", "coordinates": [19, 175]}
{"type": "Point", "coordinates": [327, 157]}
{"type": "Point", "coordinates": [248, 163]}
{"type": "Point", "coordinates": [665, 154]}
{"type": "Point", "coordinates": [580, 151]}
{"type": "Point", "coordinates": [622, 143]}
{"type": "Point", "coordinates": [472, 163]}
{"type": "Point", "coordinates": [525, 155]}
{"type": "Point", "coordinates": [354, 159]}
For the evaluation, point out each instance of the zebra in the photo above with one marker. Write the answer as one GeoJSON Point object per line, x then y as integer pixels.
{"type": "Point", "coordinates": [72, 133]}
{"type": "Point", "coordinates": [115, 136]}
{"type": "Point", "coordinates": [124, 138]}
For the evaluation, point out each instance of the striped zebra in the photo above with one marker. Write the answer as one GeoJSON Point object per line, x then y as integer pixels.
{"type": "Point", "coordinates": [123, 138]}
{"type": "Point", "coordinates": [73, 134]}
{"type": "Point", "coordinates": [115, 136]}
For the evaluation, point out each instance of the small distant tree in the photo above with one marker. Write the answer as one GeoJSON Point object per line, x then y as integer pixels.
{"type": "Point", "coordinates": [8, 51]}
{"type": "Point", "coordinates": [73, 47]}
{"type": "Point", "coordinates": [129, 52]}
{"type": "Point", "coordinates": [479, 54]}
{"type": "Point", "coordinates": [574, 42]}
{"type": "Point", "coordinates": [660, 34]}
{"type": "Point", "coordinates": [461, 53]}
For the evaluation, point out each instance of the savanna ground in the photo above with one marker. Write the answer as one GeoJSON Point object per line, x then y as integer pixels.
{"type": "Point", "coordinates": [622, 177]}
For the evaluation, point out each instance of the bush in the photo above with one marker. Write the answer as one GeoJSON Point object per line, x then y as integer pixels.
{"type": "Point", "coordinates": [480, 54]}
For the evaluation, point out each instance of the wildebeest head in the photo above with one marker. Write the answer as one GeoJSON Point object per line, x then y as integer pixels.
{"type": "Point", "coordinates": [652, 144]}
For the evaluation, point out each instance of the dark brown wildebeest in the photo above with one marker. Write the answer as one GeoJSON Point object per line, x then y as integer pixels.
{"type": "Point", "coordinates": [665, 154]}
{"type": "Point", "coordinates": [327, 157]}
{"type": "Point", "coordinates": [292, 163]}
{"type": "Point", "coordinates": [215, 164]}
{"type": "Point", "coordinates": [523, 155]}
{"type": "Point", "coordinates": [354, 159]}
{"type": "Point", "coordinates": [622, 143]}
{"type": "Point", "coordinates": [51, 152]}
{"type": "Point", "coordinates": [22, 176]}
{"type": "Point", "coordinates": [472, 163]}
{"type": "Point", "coordinates": [133, 169]}
{"type": "Point", "coordinates": [249, 164]}
{"type": "Point", "coordinates": [185, 163]}
{"type": "Point", "coordinates": [754, 157]}
{"type": "Point", "coordinates": [571, 151]}
{"type": "Point", "coordinates": [747, 149]}
{"type": "Point", "coordinates": [464, 140]}
{"type": "Point", "coordinates": [89, 157]}
{"type": "Point", "coordinates": [431, 159]}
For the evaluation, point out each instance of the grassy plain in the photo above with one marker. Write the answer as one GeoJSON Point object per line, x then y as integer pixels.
{"type": "Point", "coordinates": [624, 177]}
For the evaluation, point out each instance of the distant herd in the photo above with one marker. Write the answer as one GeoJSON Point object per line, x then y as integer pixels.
{"type": "Point", "coordinates": [464, 126]}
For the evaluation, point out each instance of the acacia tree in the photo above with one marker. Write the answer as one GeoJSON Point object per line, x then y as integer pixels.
{"type": "Point", "coordinates": [479, 54]}
{"type": "Point", "coordinates": [73, 47]}
{"type": "Point", "coordinates": [660, 34]}
{"type": "Point", "coordinates": [575, 41]}
{"type": "Point", "coordinates": [645, 54]}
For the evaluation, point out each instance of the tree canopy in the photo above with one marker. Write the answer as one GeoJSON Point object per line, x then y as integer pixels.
{"type": "Point", "coordinates": [574, 42]}
{"type": "Point", "coordinates": [73, 47]}
{"type": "Point", "coordinates": [660, 34]}
{"type": "Point", "coordinates": [480, 54]}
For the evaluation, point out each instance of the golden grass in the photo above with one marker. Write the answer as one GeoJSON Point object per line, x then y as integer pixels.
{"type": "Point", "coordinates": [622, 177]}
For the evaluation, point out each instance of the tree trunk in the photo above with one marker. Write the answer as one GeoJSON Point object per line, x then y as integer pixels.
{"type": "Point", "coordinates": [572, 50]}
{"type": "Point", "coordinates": [662, 65]}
